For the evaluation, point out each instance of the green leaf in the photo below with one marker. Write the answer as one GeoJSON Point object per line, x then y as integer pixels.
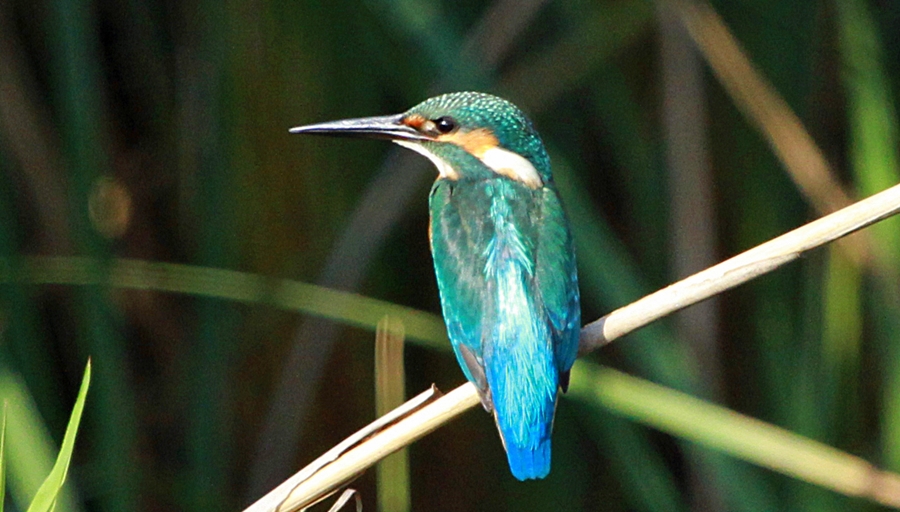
{"type": "Point", "coordinates": [3, 458]}
{"type": "Point", "coordinates": [426, 329]}
{"type": "Point", "coordinates": [45, 499]}
{"type": "Point", "coordinates": [717, 428]}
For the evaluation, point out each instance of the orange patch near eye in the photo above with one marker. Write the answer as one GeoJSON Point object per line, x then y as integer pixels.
{"type": "Point", "coordinates": [477, 142]}
{"type": "Point", "coordinates": [414, 121]}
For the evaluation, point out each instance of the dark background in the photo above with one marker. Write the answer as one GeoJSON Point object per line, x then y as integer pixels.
{"type": "Point", "coordinates": [157, 131]}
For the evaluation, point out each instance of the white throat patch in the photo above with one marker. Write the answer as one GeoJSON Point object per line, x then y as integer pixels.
{"type": "Point", "coordinates": [444, 169]}
{"type": "Point", "coordinates": [501, 161]}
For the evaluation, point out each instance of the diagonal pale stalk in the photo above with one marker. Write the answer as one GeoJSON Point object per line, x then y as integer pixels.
{"type": "Point", "coordinates": [275, 499]}
{"type": "Point", "coordinates": [417, 418]}
{"type": "Point", "coordinates": [753, 263]}
{"type": "Point", "coordinates": [728, 274]}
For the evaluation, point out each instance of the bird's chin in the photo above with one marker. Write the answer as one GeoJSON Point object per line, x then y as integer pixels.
{"type": "Point", "coordinates": [444, 169]}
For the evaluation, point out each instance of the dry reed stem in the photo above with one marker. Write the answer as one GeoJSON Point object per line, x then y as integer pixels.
{"type": "Point", "coordinates": [761, 259]}
{"type": "Point", "coordinates": [275, 499]}
{"type": "Point", "coordinates": [728, 274]}
{"type": "Point", "coordinates": [348, 466]}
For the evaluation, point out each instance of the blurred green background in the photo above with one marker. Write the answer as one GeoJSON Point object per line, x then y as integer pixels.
{"type": "Point", "coordinates": [144, 131]}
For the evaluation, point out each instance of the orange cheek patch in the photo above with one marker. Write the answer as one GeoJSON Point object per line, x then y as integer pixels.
{"type": "Point", "coordinates": [483, 145]}
{"type": "Point", "coordinates": [476, 142]}
{"type": "Point", "coordinates": [414, 121]}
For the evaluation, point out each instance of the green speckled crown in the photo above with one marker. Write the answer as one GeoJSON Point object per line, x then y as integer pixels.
{"type": "Point", "coordinates": [474, 110]}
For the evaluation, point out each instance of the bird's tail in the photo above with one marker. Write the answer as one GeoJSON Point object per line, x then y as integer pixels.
{"type": "Point", "coordinates": [521, 373]}
{"type": "Point", "coordinates": [529, 462]}
{"type": "Point", "coordinates": [524, 400]}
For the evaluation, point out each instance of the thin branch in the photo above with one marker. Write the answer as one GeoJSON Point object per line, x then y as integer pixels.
{"type": "Point", "coordinates": [728, 274]}
{"type": "Point", "coordinates": [760, 260]}
{"type": "Point", "coordinates": [277, 496]}
{"type": "Point", "coordinates": [297, 492]}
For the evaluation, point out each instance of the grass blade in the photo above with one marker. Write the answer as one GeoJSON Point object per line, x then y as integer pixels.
{"type": "Point", "coordinates": [30, 448]}
{"type": "Point", "coordinates": [346, 307]}
{"type": "Point", "coordinates": [735, 434]}
{"type": "Point", "coordinates": [3, 458]}
{"type": "Point", "coordinates": [45, 499]}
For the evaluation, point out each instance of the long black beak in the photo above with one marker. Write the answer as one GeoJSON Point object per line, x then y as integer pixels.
{"type": "Point", "coordinates": [381, 127]}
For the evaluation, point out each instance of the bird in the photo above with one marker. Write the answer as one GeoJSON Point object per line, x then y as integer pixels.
{"type": "Point", "coordinates": [503, 254]}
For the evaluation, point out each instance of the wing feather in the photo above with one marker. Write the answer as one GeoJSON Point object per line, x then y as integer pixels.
{"type": "Point", "coordinates": [557, 279]}
{"type": "Point", "coordinates": [459, 236]}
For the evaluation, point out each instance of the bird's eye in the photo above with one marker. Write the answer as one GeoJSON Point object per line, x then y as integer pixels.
{"type": "Point", "coordinates": [445, 124]}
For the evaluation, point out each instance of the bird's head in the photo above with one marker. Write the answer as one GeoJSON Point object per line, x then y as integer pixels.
{"type": "Point", "coordinates": [467, 135]}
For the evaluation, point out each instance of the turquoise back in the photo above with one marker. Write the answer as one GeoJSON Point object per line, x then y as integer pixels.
{"type": "Point", "coordinates": [505, 267]}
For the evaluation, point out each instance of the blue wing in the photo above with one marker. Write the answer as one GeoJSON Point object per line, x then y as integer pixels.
{"type": "Point", "coordinates": [507, 297]}
{"type": "Point", "coordinates": [458, 240]}
{"type": "Point", "coordinates": [557, 281]}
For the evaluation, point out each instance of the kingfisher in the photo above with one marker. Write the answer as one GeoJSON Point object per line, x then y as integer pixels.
{"type": "Point", "coordinates": [503, 257]}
